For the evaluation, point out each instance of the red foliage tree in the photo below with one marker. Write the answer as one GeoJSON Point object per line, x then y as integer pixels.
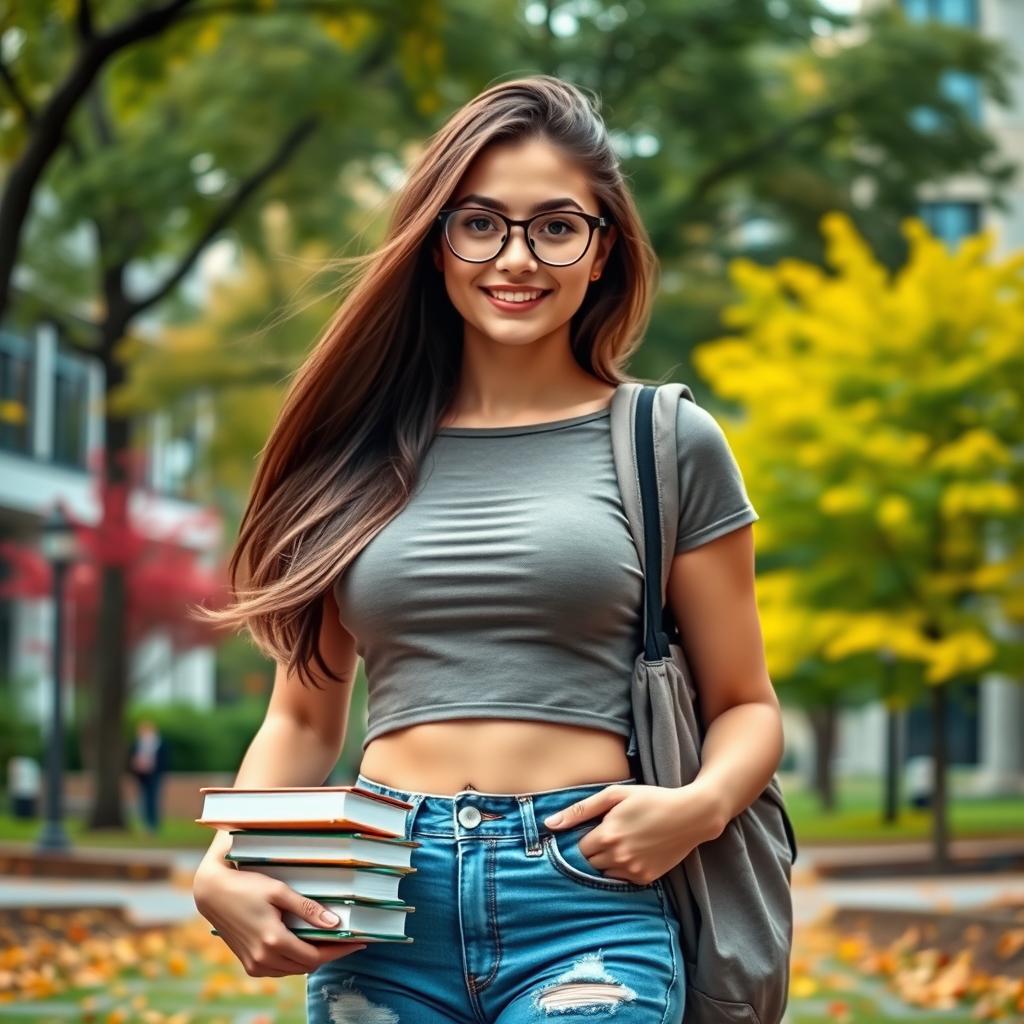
{"type": "Point", "coordinates": [165, 576]}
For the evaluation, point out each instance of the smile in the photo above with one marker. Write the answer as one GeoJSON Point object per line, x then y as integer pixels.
{"type": "Point", "coordinates": [516, 298]}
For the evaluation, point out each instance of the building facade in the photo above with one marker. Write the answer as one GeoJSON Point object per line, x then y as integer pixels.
{"type": "Point", "coordinates": [51, 427]}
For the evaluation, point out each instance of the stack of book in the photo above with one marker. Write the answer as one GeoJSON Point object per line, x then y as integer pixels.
{"type": "Point", "coordinates": [342, 846]}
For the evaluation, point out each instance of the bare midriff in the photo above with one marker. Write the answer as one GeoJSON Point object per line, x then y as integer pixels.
{"type": "Point", "coordinates": [494, 756]}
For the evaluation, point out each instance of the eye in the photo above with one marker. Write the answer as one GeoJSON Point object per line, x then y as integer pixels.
{"type": "Point", "coordinates": [486, 221]}
{"type": "Point", "coordinates": [564, 227]}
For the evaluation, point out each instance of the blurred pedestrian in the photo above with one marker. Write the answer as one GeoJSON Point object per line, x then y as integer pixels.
{"type": "Point", "coordinates": [920, 780]}
{"type": "Point", "coordinates": [148, 762]}
{"type": "Point", "coordinates": [24, 780]}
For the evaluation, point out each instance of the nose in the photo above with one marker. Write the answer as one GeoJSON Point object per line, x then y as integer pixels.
{"type": "Point", "coordinates": [517, 252]}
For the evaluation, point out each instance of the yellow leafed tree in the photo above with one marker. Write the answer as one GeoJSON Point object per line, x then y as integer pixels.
{"type": "Point", "coordinates": [882, 443]}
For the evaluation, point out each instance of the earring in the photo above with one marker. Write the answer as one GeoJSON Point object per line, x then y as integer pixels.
{"type": "Point", "coordinates": [594, 277]}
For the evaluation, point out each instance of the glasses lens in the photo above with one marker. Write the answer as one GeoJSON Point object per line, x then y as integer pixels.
{"type": "Point", "coordinates": [557, 238]}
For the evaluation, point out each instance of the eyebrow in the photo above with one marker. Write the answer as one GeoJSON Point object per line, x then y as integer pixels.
{"type": "Point", "coordinates": [548, 204]}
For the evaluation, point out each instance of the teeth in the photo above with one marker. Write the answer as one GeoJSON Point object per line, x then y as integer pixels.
{"type": "Point", "coordinates": [514, 296]}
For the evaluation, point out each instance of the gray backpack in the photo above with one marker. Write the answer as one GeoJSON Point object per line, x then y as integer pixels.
{"type": "Point", "coordinates": [732, 894]}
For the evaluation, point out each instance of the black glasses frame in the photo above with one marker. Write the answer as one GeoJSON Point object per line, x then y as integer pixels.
{"type": "Point", "coordinates": [594, 223]}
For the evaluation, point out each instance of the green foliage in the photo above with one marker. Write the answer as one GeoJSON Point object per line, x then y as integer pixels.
{"type": "Point", "coordinates": [882, 446]}
{"type": "Point", "coordinates": [203, 739]}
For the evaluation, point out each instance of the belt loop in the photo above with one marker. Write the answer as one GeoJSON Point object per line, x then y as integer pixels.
{"type": "Point", "coordinates": [533, 847]}
{"type": "Point", "coordinates": [415, 799]}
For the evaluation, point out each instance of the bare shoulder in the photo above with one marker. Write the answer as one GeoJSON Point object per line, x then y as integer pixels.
{"type": "Point", "coordinates": [323, 707]}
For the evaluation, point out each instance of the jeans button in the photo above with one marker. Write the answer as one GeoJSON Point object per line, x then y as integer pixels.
{"type": "Point", "coordinates": [469, 816]}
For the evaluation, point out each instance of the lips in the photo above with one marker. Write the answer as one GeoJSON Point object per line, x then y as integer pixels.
{"type": "Point", "coordinates": [538, 292]}
{"type": "Point", "coordinates": [504, 306]}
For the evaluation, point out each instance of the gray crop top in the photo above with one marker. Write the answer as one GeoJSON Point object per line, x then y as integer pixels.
{"type": "Point", "coordinates": [509, 585]}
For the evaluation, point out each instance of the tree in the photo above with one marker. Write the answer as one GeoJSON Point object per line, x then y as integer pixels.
{"type": "Point", "coordinates": [882, 442]}
{"type": "Point", "coordinates": [163, 575]}
{"type": "Point", "coordinates": [159, 156]}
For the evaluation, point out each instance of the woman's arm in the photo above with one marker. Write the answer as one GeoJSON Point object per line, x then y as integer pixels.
{"type": "Point", "coordinates": [284, 752]}
{"type": "Point", "coordinates": [303, 730]}
{"type": "Point", "coordinates": [712, 595]}
{"type": "Point", "coordinates": [297, 744]}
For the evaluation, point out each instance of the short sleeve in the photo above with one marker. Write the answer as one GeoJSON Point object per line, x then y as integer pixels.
{"type": "Point", "coordinates": [712, 496]}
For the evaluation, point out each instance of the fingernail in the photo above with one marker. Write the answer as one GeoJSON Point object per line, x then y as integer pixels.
{"type": "Point", "coordinates": [552, 819]}
{"type": "Point", "coordinates": [329, 917]}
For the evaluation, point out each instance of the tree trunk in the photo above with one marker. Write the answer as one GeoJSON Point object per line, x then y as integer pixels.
{"type": "Point", "coordinates": [891, 811]}
{"type": "Point", "coordinates": [111, 669]}
{"type": "Point", "coordinates": [823, 724]}
{"type": "Point", "coordinates": [940, 823]}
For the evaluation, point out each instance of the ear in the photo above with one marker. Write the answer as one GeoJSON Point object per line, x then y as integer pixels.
{"type": "Point", "coordinates": [605, 247]}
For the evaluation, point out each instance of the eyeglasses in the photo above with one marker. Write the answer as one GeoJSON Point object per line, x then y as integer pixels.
{"type": "Point", "coordinates": [558, 238]}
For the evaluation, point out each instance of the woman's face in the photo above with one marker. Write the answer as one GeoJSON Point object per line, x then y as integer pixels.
{"type": "Point", "coordinates": [520, 176]}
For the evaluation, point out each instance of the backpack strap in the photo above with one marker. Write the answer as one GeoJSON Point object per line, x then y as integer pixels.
{"type": "Point", "coordinates": [644, 443]}
{"type": "Point", "coordinates": [655, 637]}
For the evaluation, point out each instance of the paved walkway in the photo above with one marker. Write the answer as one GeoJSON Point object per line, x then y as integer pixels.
{"type": "Point", "coordinates": [813, 895]}
{"type": "Point", "coordinates": [172, 901]}
{"type": "Point", "coordinates": [149, 901]}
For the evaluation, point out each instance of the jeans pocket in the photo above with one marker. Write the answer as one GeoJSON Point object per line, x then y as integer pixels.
{"type": "Point", "coordinates": [563, 851]}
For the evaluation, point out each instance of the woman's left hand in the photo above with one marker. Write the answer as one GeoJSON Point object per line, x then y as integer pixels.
{"type": "Point", "coordinates": [646, 830]}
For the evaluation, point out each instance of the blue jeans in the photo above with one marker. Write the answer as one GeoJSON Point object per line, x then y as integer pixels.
{"type": "Point", "coordinates": [512, 925]}
{"type": "Point", "coordinates": [149, 799]}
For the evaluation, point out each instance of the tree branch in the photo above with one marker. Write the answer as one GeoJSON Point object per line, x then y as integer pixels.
{"type": "Point", "coordinates": [761, 148]}
{"type": "Point", "coordinates": [20, 99]}
{"type": "Point", "coordinates": [299, 7]}
{"type": "Point", "coordinates": [50, 123]}
{"type": "Point", "coordinates": [288, 147]}
{"type": "Point", "coordinates": [84, 21]}
{"type": "Point", "coordinates": [74, 329]}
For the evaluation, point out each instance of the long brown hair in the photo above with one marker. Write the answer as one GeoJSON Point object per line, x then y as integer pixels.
{"type": "Point", "coordinates": [344, 453]}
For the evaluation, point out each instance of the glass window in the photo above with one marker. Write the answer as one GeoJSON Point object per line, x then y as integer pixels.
{"type": "Point", "coordinates": [964, 89]}
{"type": "Point", "coordinates": [16, 360]}
{"type": "Point", "coordinates": [185, 445]}
{"type": "Point", "coordinates": [951, 12]}
{"type": "Point", "coordinates": [962, 725]}
{"type": "Point", "coordinates": [950, 220]}
{"type": "Point", "coordinates": [958, 86]}
{"type": "Point", "coordinates": [925, 120]}
{"type": "Point", "coordinates": [958, 12]}
{"type": "Point", "coordinates": [70, 410]}
{"type": "Point", "coordinates": [174, 469]}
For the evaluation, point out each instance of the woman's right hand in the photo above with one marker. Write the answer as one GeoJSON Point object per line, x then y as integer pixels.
{"type": "Point", "coordinates": [244, 908]}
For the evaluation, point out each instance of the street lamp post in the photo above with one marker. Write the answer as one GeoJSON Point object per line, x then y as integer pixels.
{"type": "Point", "coordinates": [58, 547]}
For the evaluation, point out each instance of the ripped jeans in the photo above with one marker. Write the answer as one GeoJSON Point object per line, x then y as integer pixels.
{"type": "Point", "coordinates": [512, 925]}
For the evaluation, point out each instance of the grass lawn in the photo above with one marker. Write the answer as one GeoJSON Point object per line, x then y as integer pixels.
{"type": "Point", "coordinates": [857, 819]}
{"type": "Point", "coordinates": [858, 816]}
{"type": "Point", "coordinates": [174, 832]}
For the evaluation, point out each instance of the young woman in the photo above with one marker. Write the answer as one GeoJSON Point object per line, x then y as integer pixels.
{"type": "Point", "coordinates": [438, 496]}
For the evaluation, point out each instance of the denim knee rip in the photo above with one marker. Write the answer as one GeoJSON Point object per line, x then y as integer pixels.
{"type": "Point", "coordinates": [347, 1005]}
{"type": "Point", "coordinates": [586, 987]}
